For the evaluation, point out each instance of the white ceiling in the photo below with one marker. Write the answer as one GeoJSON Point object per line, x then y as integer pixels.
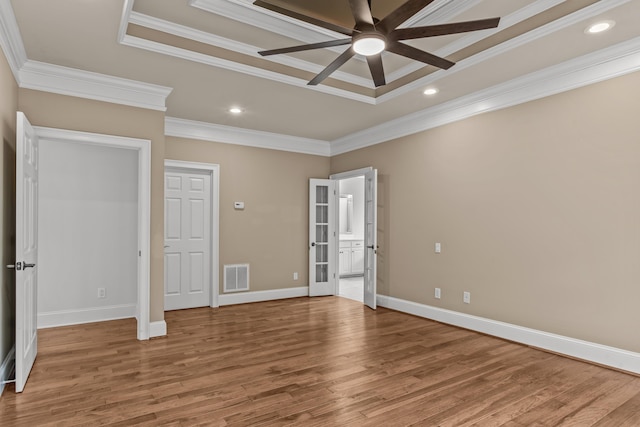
{"type": "Point", "coordinates": [204, 52]}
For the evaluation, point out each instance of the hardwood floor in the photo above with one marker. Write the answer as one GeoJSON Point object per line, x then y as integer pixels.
{"type": "Point", "coordinates": [311, 362]}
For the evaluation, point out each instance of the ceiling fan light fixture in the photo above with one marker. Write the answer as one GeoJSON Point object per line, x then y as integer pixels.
{"type": "Point", "coordinates": [368, 44]}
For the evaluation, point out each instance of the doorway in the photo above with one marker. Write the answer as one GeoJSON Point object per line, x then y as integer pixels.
{"type": "Point", "coordinates": [357, 242]}
{"type": "Point", "coordinates": [136, 152]}
{"type": "Point", "coordinates": [351, 238]}
{"type": "Point", "coordinates": [323, 235]}
{"type": "Point", "coordinates": [191, 235]}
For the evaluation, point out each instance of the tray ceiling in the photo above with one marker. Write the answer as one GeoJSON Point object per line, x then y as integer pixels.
{"type": "Point", "coordinates": [206, 50]}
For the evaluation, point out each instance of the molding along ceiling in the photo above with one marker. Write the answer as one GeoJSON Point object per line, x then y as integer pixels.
{"type": "Point", "coordinates": [194, 59]}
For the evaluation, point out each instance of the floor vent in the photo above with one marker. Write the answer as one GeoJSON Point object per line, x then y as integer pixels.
{"type": "Point", "coordinates": [236, 277]}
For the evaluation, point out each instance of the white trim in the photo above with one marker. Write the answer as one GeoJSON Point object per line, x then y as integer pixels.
{"type": "Point", "coordinates": [585, 350]}
{"type": "Point", "coordinates": [189, 55]}
{"type": "Point", "coordinates": [501, 48]}
{"type": "Point", "coordinates": [350, 174]}
{"type": "Point", "coordinates": [214, 171]}
{"type": "Point", "coordinates": [467, 40]}
{"type": "Point", "coordinates": [11, 40]}
{"type": "Point", "coordinates": [158, 24]}
{"type": "Point", "coordinates": [258, 296]}
{"type": "Point", "coordinates": [158, 329]}
{"type": "Point", "coordinates": [143, 147]}
{"type": "Point", "coordinates": [191, 129]}
{"type": "Point", "coordinates": [127, 9]}
{"type": "Point", "coordinates": [246, 13]}
{"type": "Point", "coordinates": [84, 84]}
{"type": "Point", "coordinates": [604, 64]}
{"type": "Point", "coordinates": [7, 367]}
{"type": "Point", "coordinates": [54, 319]}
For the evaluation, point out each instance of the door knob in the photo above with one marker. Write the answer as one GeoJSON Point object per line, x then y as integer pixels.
{"type": "Point", "coordinates": [27, 265]}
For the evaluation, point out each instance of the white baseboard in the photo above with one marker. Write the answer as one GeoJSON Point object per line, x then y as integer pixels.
{"type": "Point", "coordinates": [257, 296]}
{"type": "Point", "coordinates": [157, 329]}
{"type": "Point", "coordinates": [7, 368]}
{"type": "Point", "coordinates": [585, 350]}
{"type": "Point", "coordinates": [53, 319]}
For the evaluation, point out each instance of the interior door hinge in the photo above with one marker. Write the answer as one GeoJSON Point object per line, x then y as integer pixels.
{"type": "Point", "coordinates": [139, 253]}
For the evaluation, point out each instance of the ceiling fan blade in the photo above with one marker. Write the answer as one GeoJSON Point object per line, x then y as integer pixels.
{"type": "Point", "coordinates": [337, 63]}
{"type": "Point", "coordinates": [362, 14]}
{"type": "Point", "coordinates": [419, 55]}
{"type": "Point", "coordinates": [328, 25]}
{"type": "Point", "coordinates": [377, 71]}
{"type": "Point", "coordinates": [304, 47]}
{"type": "Point", "coordinates": [401, 14]}
{"type": "Point", "coordinates": [441, 30]}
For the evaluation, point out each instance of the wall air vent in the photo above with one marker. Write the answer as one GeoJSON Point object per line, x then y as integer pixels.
{"type": "Point", "coordinates": [236, 277]}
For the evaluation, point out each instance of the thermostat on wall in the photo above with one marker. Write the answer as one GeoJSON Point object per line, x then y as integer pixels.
{"type": "Point", "coordinates": [238, 205]}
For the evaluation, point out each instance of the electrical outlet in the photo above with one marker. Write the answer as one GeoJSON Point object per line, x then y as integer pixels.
{"type": "Point", "coordinates": [466, 297]}
{"type": "Point", "coordinates": [437, 293]}
{"type": "Point", "coordinates": [102, 293]}
{"type": "Point", "coordinates": [295, 276]}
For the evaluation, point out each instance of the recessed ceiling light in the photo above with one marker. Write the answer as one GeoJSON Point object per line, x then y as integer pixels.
{"type": "Point", "coordinates": [430, 91]}
{"type": "Point", "coordinates": [235, 110]}
{"type": "Point", "coordinates": [599, 27]}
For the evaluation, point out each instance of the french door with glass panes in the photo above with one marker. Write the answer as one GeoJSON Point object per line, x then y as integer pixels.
{"type": "Point", "coordinates": [322, 237]}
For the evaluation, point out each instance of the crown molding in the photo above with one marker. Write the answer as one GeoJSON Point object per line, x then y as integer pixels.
{"type": "Point", "coordinates": [84, 84]}
{"type": "Point", "coordinates": [127, 9]}
{"type": "Point", "coordinates": [557, 25]}
{"type": "Point", "coordinates": [240, 68]}
{"type": "Point", "coordinates": [242, 48]}
{"type": "Point", "coordinates": [592, 68]}
{"type": "Point", "coordinates": [191, 129]}
{"type": "Point", "coordinates": [474, 37]}
{"type": "Point", "coordinates": [11, 40]}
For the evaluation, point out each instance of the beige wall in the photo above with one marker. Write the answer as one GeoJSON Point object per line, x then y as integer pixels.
{"type": "Point", "coordinates": [57, 111]}
{"type": "Point", "coordinates": [271, 233]}
{"type": "Point", "coordinates": [8, 108]}
{"type": "Point", "coordinates": [537, 208]}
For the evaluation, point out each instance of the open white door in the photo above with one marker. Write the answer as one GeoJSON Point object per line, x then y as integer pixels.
{"type": "Point", "coordinates": [370, 236]}
{"type": "Point", "coordinates": [26, 249]}
{"type": "Point", "coordinates": [322, 237]}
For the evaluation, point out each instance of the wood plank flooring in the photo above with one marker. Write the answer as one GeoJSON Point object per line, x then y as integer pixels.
{"type": "Point", "coordinates": [310, 362]}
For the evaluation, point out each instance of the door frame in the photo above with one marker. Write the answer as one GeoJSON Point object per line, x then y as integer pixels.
{"type": "Point", "coordinates": [143, 148]}
{"type": "Point", "coordinates": [338, 177]}
{"type": "Point", "coordinates": [213, 170]}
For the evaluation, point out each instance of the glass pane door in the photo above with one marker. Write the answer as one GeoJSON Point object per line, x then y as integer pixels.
{"type": "Point", "coordinates": [321, 222]}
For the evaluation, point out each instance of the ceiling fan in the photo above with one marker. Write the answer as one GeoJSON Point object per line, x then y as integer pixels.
{"type": "Point", "coordinates": [371, 36]}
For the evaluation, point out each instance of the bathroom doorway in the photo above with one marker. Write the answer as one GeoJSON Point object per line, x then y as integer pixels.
{"type": "Point", "coordinates": [351, 226]}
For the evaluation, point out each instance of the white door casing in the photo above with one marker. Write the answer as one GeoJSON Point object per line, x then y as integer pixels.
{"type": "Point", "coordinates": [370, 237]}
{"type": "Point", "coordinates": [26, 249]}
{"type": "Point", "coordinates": [191, 266]}
{"type": "Point", "coordinates": [143, 148]}
{"type": "Point", "coordinates": [322, 237]}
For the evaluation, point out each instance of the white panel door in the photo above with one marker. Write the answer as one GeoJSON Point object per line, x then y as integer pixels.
{"type": "Point", "coordinates": [26, 249]}
{"type": "Point", "coordinates": [370, 237]}
{"type": "Point", "coordinates": [187, 236]}
{"type": "Point", "coordinates": [322, 237]}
